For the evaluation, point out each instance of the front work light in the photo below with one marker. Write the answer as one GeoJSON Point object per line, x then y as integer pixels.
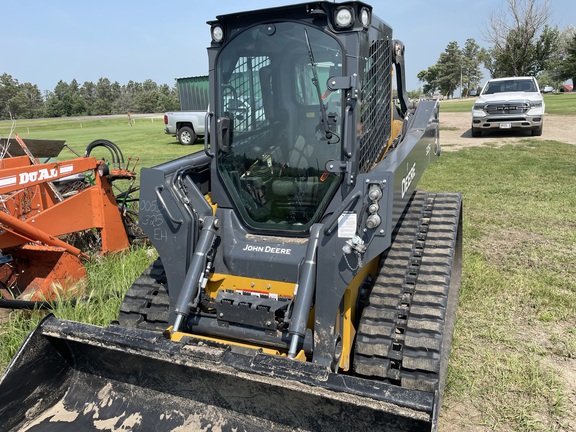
{"type": "Point", "coordinates": [365, 17]}
{"type": "Point", "coordinates": [344, 17]}
{"type": "Point", "coordinates": [217, 33]}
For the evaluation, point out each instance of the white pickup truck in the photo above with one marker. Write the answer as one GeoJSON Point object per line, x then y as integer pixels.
{"type": "Point", "coordinates": [509, 103]}
{"type": "Point", "coordinates": [188, 126]}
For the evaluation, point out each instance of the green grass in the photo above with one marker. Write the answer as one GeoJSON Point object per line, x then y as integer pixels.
{"type": "Point", "coordinates": [515, 327]}
{"type": "Point", "coordinates": [456, 105]}
{"type": "Point", "coordinates": [556, 103]}
{"type": "Point", "coordinates": [108, 279]}
{"type": "Point", "coordinates": [145, 140]}
{"type": "Point", "coordinates": [561, 103]}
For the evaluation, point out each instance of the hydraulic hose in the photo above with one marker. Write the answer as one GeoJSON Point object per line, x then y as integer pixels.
{"type": "Point", "coordinates": [115, 152]}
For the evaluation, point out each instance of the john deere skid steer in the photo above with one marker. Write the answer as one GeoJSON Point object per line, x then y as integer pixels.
{"type": "Point", "coordinates": [303, 282]}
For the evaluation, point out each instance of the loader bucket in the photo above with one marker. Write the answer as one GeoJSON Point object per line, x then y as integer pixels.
{"type": "Point", "coordinates": [69, 376]}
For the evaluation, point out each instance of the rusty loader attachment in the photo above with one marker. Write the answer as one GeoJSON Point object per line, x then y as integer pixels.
{"type": "Point", "coordinates": [44, 204]}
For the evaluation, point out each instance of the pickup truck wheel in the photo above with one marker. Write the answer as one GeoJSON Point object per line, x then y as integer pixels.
{"type": "Point", "coordinates": [186, 135]}
{"type": "Point", "coordinates": [476, 132]}
{"type": "Point", "coordinates": [537, 131]}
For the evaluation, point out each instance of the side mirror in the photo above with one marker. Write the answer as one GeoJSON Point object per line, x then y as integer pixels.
{"type": "Point", "coordinates": [223, 134]}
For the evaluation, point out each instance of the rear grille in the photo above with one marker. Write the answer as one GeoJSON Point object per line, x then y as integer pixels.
{"type": "Point", "coordinates": [247, 88]}
{"type": "Point", "coordinates": [376, 111]}
{"type": "Point", "coordinates": [507, 108]}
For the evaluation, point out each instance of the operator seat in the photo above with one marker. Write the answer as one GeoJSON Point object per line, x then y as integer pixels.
{"type": "Point", "coordinates": [295, 194]}
{"type": "Point", "coordinates": [301, 154]}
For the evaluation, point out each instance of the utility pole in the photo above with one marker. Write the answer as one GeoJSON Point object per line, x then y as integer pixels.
{"type": "Point", "coordinates": [461, 88]}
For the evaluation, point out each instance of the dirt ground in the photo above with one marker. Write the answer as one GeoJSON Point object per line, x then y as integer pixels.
{"type": "Point", "coordinates": [455, 132]}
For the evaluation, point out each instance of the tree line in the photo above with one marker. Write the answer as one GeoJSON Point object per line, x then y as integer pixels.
{"type": "Point", "coordinates": [25, 100]}
{"type": "Point", "coordinates": [522, 43]}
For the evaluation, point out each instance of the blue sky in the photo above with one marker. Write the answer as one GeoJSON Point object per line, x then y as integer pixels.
{"type": "Point", "coordinates": [43, 42]}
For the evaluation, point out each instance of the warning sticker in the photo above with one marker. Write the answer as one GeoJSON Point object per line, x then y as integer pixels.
{"type": "Point", "coordinates": [347, 225]}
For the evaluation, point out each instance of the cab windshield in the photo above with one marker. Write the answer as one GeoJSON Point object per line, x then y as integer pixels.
{"type": "Point", "coordinates": [283, 126]}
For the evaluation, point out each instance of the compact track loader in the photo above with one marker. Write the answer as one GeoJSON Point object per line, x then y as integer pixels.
{"type": "Point", "coordinates": [303, 282]}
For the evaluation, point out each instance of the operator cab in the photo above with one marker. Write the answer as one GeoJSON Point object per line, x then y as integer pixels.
{"type": "Point", "coordinates": [278, 124]}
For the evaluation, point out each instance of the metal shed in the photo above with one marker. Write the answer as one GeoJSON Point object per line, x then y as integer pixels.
{"type": "Point", "coordinates": [193, 93]}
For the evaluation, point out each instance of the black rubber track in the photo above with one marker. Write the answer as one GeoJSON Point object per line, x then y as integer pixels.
{"type": "Point", "coordinates": [146, 303]}
{"type": "Point", "coordinates": [405, 332]}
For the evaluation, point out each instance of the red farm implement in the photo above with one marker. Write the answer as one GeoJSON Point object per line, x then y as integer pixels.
{"type": "Point", "coordinates": [46, 204]}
